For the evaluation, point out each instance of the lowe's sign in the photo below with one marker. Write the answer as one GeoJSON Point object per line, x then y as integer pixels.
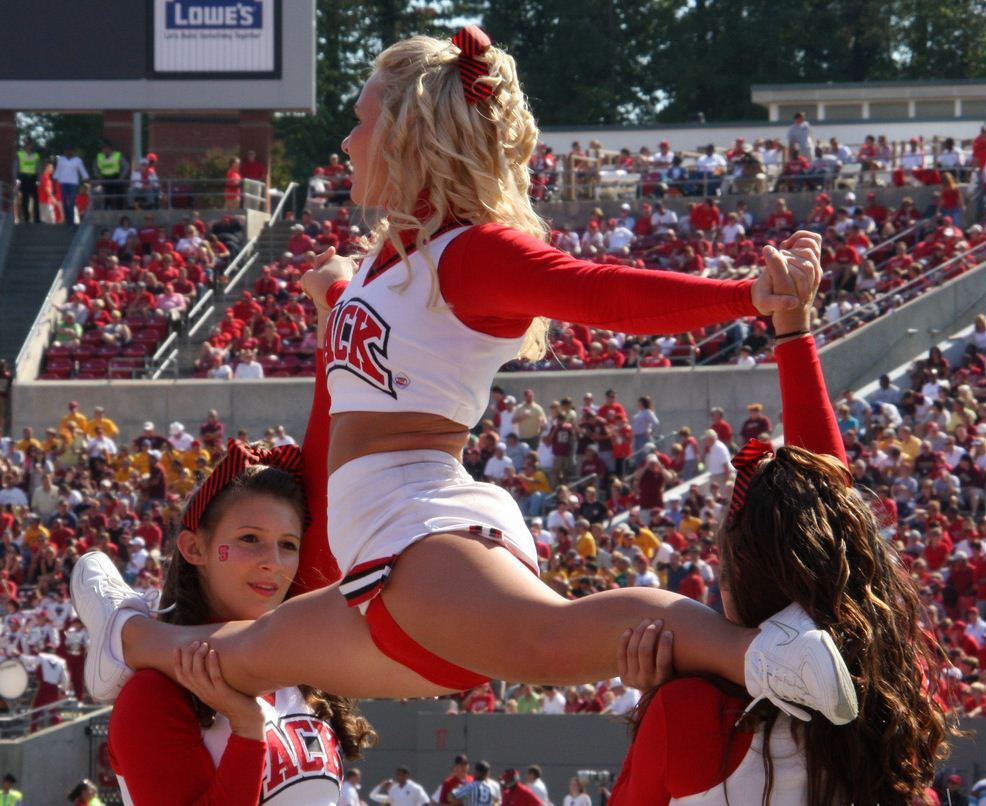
{"type": "Point", "coordinates": [210, 37]}
{"type": "Point", "coordinates": [186, 15]}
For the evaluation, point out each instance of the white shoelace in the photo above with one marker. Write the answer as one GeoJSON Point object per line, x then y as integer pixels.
{"type": "Point", "coordinates": [766, 694]}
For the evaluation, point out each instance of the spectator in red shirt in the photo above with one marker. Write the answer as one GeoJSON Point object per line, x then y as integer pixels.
{"type": "Point", "coordinates": [756, 424]}
{"type": "Point", "coordinates": [480, 700]}
{"type": "Point", "coordinates": [693, 586]}
{"type": "Point", "coordinates": [253, 167]}
{"type": "Point", "coordinates": [246, 308]}
{"type": "Point", "coordinates": [459, 776]}
{"type": "Point", "coordinates": [874, 210]}
{"type": "Point", "coordinates": [233, 189]}
{"type": "Point", "coordinates": [299, 243]}
{"type": "Point", "coordinates": [781, 220]}
{"type": "Point", "coordinates": [516, 793]}
{"type": "Point", "coordinates": [718, 423]}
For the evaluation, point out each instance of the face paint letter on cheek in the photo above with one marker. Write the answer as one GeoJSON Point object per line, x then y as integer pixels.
{"type": "Point", "coordinates": [223, 553]}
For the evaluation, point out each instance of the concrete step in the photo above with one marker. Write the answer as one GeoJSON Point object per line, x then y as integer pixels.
{"type": "Point", "coordinates": [36, 254]}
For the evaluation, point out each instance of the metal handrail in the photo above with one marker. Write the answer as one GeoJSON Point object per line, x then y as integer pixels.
{"type": "Point", "coordinates": [205, 193]}
{"type": "Point", "coordinates": [870, 305]}
{"type": "Point", "coordinates": [164, 346]}
{"type": "Point", "coordinates": [241, 273]}
{"type": "Point", "coordinates": [876, 304]}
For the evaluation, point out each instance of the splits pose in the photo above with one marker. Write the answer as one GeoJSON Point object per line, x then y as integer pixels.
{"type": "Point", "coordinates": [458, 280]}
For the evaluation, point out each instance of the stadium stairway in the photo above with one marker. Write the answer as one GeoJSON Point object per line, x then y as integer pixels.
{"type": "Point", "coordinates": [272, 242]}
{"type": "Point", "coordinates": [36, 254]}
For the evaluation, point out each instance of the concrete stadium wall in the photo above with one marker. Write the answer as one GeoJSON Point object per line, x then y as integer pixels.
{"type": "Point", "coordinates": [683, 396]}
{"type": "Point", "coordinates": [49, 763]}
{"type": "Point", "coordinates": [420, 735]}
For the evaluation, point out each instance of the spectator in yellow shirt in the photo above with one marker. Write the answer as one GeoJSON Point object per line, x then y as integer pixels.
{"type": "Point", "coordinates": [34, 531]}
{"type": "Point", "coordinates": [28, 441]}
{"type": "Point", "coordinates": [585, 544]}
{"type": "Point", "coordinates": [74, 416]}
{"type": "Point", "coordinates": [189, 458]}
{"type": "Point", "coordinates": [647, 542]}
{"type": "Point", "coordinates": [182, 483]}
{"type": "Point", "coordinates": [690, 523]}
{"type": "Point", "coordinates": [110, 428]}
{"type": "Point", "coordinates": [53, 444]}
{"type": "Point", "coordinates": [910, 445]}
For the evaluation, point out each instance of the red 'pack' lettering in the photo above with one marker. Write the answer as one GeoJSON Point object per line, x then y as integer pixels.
{"type": "Point", "coordinates": [357, 342]}
{"type": "Point", "coordinates": [299, 748]}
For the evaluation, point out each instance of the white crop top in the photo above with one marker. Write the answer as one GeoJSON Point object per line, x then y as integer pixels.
{"type": "Point", "coordinates": [387, 351]}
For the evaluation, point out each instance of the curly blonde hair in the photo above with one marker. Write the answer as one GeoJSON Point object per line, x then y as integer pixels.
{"type": "Point", "coordinates": [467, 161]}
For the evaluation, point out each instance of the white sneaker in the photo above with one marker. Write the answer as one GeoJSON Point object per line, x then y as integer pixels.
{"type": "Point", "coordinates": [104, 602]}
{"type": "Point", "coordinates": [793, 661]}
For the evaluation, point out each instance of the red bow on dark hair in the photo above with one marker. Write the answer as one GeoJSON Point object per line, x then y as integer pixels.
{"type": "Point", "coordinates": [239, 456]}
{"type": "Point", "coordinates": [473, 43]}
{"type": "Point", "coordinates": [746, 463]}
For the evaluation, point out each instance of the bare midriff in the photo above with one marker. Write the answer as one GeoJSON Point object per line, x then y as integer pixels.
{"type": "Point", "coordinates": [354, 434]}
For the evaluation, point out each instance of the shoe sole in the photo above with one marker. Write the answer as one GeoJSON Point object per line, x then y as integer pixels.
{"type": "Point", "coordinates": [845, 687]}
{"type": "Point", "coordinates": [89, 669]}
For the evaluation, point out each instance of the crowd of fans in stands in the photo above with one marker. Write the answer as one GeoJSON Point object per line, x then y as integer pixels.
{"type": "Point", "coordinates": [593, 480]}
{"type": "Point", "coordinates": [875, 258]}
{"type": "Point", "coordinates": [140, 284]}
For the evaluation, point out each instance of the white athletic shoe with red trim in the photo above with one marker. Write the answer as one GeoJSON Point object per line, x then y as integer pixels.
{"type": "Point", "coordinates": [793, 661]}
{"type": "Point", "coordinates": [104, 602]}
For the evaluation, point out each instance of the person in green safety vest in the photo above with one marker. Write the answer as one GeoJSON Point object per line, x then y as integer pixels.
{"type": "Point", "coordinates": [110, 170]}
{"type": "Point", "coordinates": [28, 168]}
{"type": "Point", "coordinates": [8, 795]}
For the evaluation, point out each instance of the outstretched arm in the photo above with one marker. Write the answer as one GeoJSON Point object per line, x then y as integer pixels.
{"type": "Point", "coordinates": [809, 421]}
{"type": "Point", "coordinates": [496, 280]}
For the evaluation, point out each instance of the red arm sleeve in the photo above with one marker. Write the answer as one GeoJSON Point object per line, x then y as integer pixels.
{"type": "Point", "coordinates": [686, 744]}
{"type": "Point", "coordinates": [317, 567]}
{"type": "Point", "coordinates": [491, 268]}
{"type": "Point", "coordinates": [644, 776]}
{"type": "Point", "coordinates": [809, 421]}
{"type": "Point", "coordinates": [156, 746]}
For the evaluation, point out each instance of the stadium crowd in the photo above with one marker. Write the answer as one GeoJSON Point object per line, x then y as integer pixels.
{"type": "Point", "coordinates": [876, 258]}
{"type": "Point", "coordinates": [140, 284]}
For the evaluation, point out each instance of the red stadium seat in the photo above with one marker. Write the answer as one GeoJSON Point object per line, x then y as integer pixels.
{"type": "Point", "coordinates": [84, 353]}
{"type": "Point", "coordinates": [58, 349]}
{"type": "Point", "coordinates": [135, 350]}
{"type": "Point", "coordinates": [108, 350]}
{"type": "Point", "coordinates": [147, 337]}
{"type": "Point", "coordinates": [52, 374]}
{"type": "Point", "coordinates": [94, 366]}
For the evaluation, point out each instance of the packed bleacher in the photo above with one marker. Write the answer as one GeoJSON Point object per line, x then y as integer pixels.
{"type": "Point", "coordinates": [136, 288]}
{"type": "Point", "coordinates": [613, 499]}
{"type": "Point", "coordinates": [875, 258]}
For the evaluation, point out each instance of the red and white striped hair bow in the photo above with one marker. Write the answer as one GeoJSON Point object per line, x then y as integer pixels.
{"type": "Point", "coordinates": [239, 456]}
{"type": "Point", "coordinates": [473, 43]}
{"type": "Point", "coordinates": [746, 463]}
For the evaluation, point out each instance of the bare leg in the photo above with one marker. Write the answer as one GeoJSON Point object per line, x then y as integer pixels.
{"type": "Point", "coordinates": [526, 632]}
{"type": "Point", "coordinates": [314, 639]}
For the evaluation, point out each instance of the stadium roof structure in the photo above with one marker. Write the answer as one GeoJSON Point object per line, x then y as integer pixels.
{"type": "Point", "coordinates": [875, 100]}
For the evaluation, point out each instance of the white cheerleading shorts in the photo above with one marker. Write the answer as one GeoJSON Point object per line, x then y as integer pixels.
{"type": "Point", "coordinates": [382, 503]}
